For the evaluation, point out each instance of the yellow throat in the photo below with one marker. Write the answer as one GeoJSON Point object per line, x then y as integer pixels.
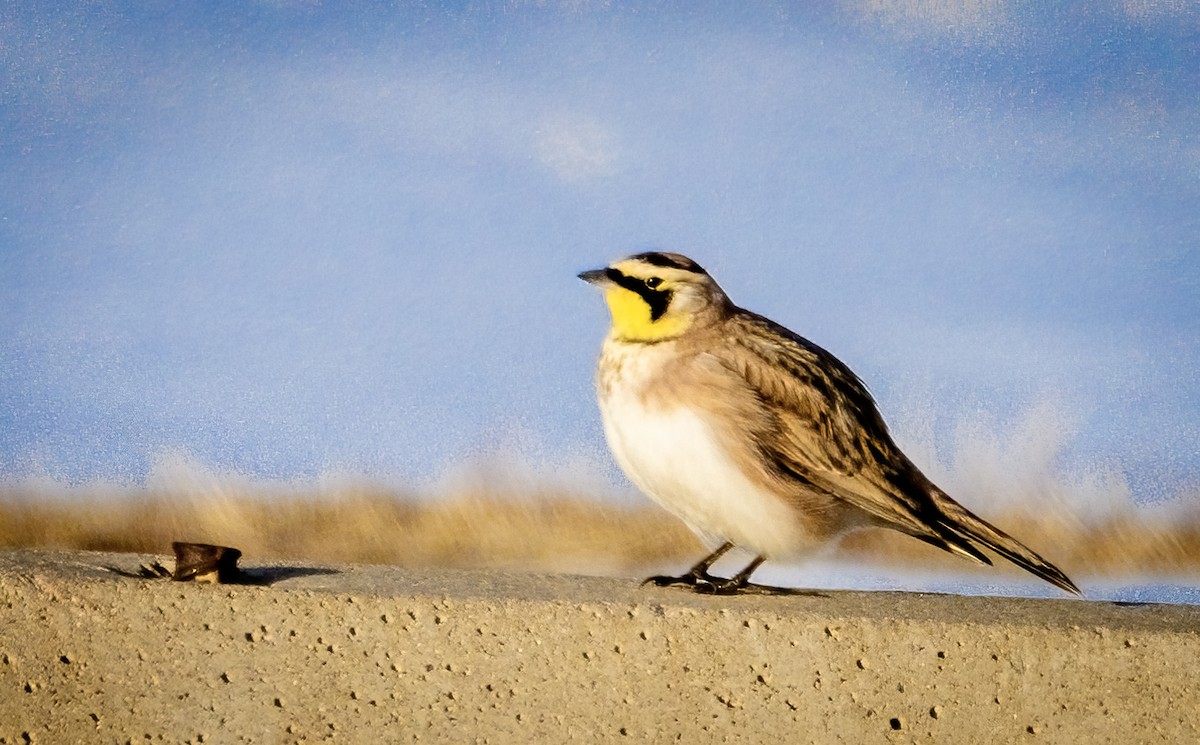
{"type": "Point", "coordinates": [631, 316]}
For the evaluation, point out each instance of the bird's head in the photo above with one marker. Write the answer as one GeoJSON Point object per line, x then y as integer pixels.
{"type": "Point", "coordinates": [657, 296]}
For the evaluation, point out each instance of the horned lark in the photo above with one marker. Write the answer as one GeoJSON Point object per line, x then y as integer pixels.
{"type": "Point", "coordinates": [754, 436]}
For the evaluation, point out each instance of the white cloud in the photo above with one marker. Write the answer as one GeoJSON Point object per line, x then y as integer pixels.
{"type": "Point", "coordinates": [1155, 10]}
{"type": "Point", "coordinates": [575, 7]}
{"type": "Point", "coordinates": [471, 119]}
{"type": "Point", "coordinates": [576, 148]}
{"type": "Point", "coordinates": [969, 20]}
{"type": "Point", "coordinates": [289, 4]}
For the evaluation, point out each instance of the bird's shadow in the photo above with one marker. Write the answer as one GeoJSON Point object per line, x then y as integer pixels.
{"type": "Point", "coordinates": [750, 588]}
{"type": "Point", "coordinates": [753, 589]}
{"type": "Point", "coordinates": [271, 575]}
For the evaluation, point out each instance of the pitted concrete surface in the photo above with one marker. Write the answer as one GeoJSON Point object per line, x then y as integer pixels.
{"type": "Point", "coordinates": [378, 654]}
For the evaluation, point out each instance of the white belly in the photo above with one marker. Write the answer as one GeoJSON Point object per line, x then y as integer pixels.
{"type": "Point", "coordinates": [674, 457]}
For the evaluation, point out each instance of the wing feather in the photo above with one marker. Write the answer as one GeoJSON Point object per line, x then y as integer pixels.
{"type": "Point", "coordinates": [819, 426]}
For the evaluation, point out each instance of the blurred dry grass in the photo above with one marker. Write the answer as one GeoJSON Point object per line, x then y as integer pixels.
{"type": "Point", "coordinates": [370, 526]}
{"type": "Point", "coordinates": [537, 531]}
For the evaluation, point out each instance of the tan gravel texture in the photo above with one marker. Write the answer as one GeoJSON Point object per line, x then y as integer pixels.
{"type": "Point", "coordinates": [378, 654]}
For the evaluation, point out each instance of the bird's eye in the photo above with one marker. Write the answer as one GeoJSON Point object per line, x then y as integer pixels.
{"type": "Point", "coordinates": [653, 282]}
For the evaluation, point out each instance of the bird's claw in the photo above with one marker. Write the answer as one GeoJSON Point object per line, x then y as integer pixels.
{"type": "Point", "coordinates": [703, 583]}
{"type": "Point", "coordinates": [663, 580]}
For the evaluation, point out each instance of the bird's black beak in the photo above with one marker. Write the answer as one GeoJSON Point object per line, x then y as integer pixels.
{"type": "Point", "coordinates": [594, 276]}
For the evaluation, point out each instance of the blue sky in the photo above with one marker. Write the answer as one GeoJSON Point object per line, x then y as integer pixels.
{"type": "Point", "coordinates": [289, 238]}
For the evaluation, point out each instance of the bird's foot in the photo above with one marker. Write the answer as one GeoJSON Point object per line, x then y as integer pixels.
{"type": "Point", "coordinates": [695, 580]}
{"type": "Point", "coordinates": [664, 580]}
{"type": "Point", "coordinates": [701, 582]}
{"type": "Point", "coordinates": [720, 586]}
{"type": "Point", "coordinates": [706, 584]}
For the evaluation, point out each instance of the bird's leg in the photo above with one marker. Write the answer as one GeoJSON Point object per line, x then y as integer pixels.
{"type": "Point", "coordinates": [735, 583]}
{"type": "Point", "coordinates": [698, 575]}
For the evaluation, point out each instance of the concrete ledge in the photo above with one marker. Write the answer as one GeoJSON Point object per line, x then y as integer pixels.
{"type": "Point", "coordinates": [377, 654]}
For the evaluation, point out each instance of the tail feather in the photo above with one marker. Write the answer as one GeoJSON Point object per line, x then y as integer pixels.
{"type": "Point", "coordinates": [958, 527]}
{"type": "Point", "coordinates": [949, 541]}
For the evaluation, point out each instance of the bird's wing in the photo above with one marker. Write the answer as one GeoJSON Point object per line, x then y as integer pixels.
{"type": "Point", "coordinates": [815, 425]}
{"type": "Point", "coordinates": [818, 425]}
